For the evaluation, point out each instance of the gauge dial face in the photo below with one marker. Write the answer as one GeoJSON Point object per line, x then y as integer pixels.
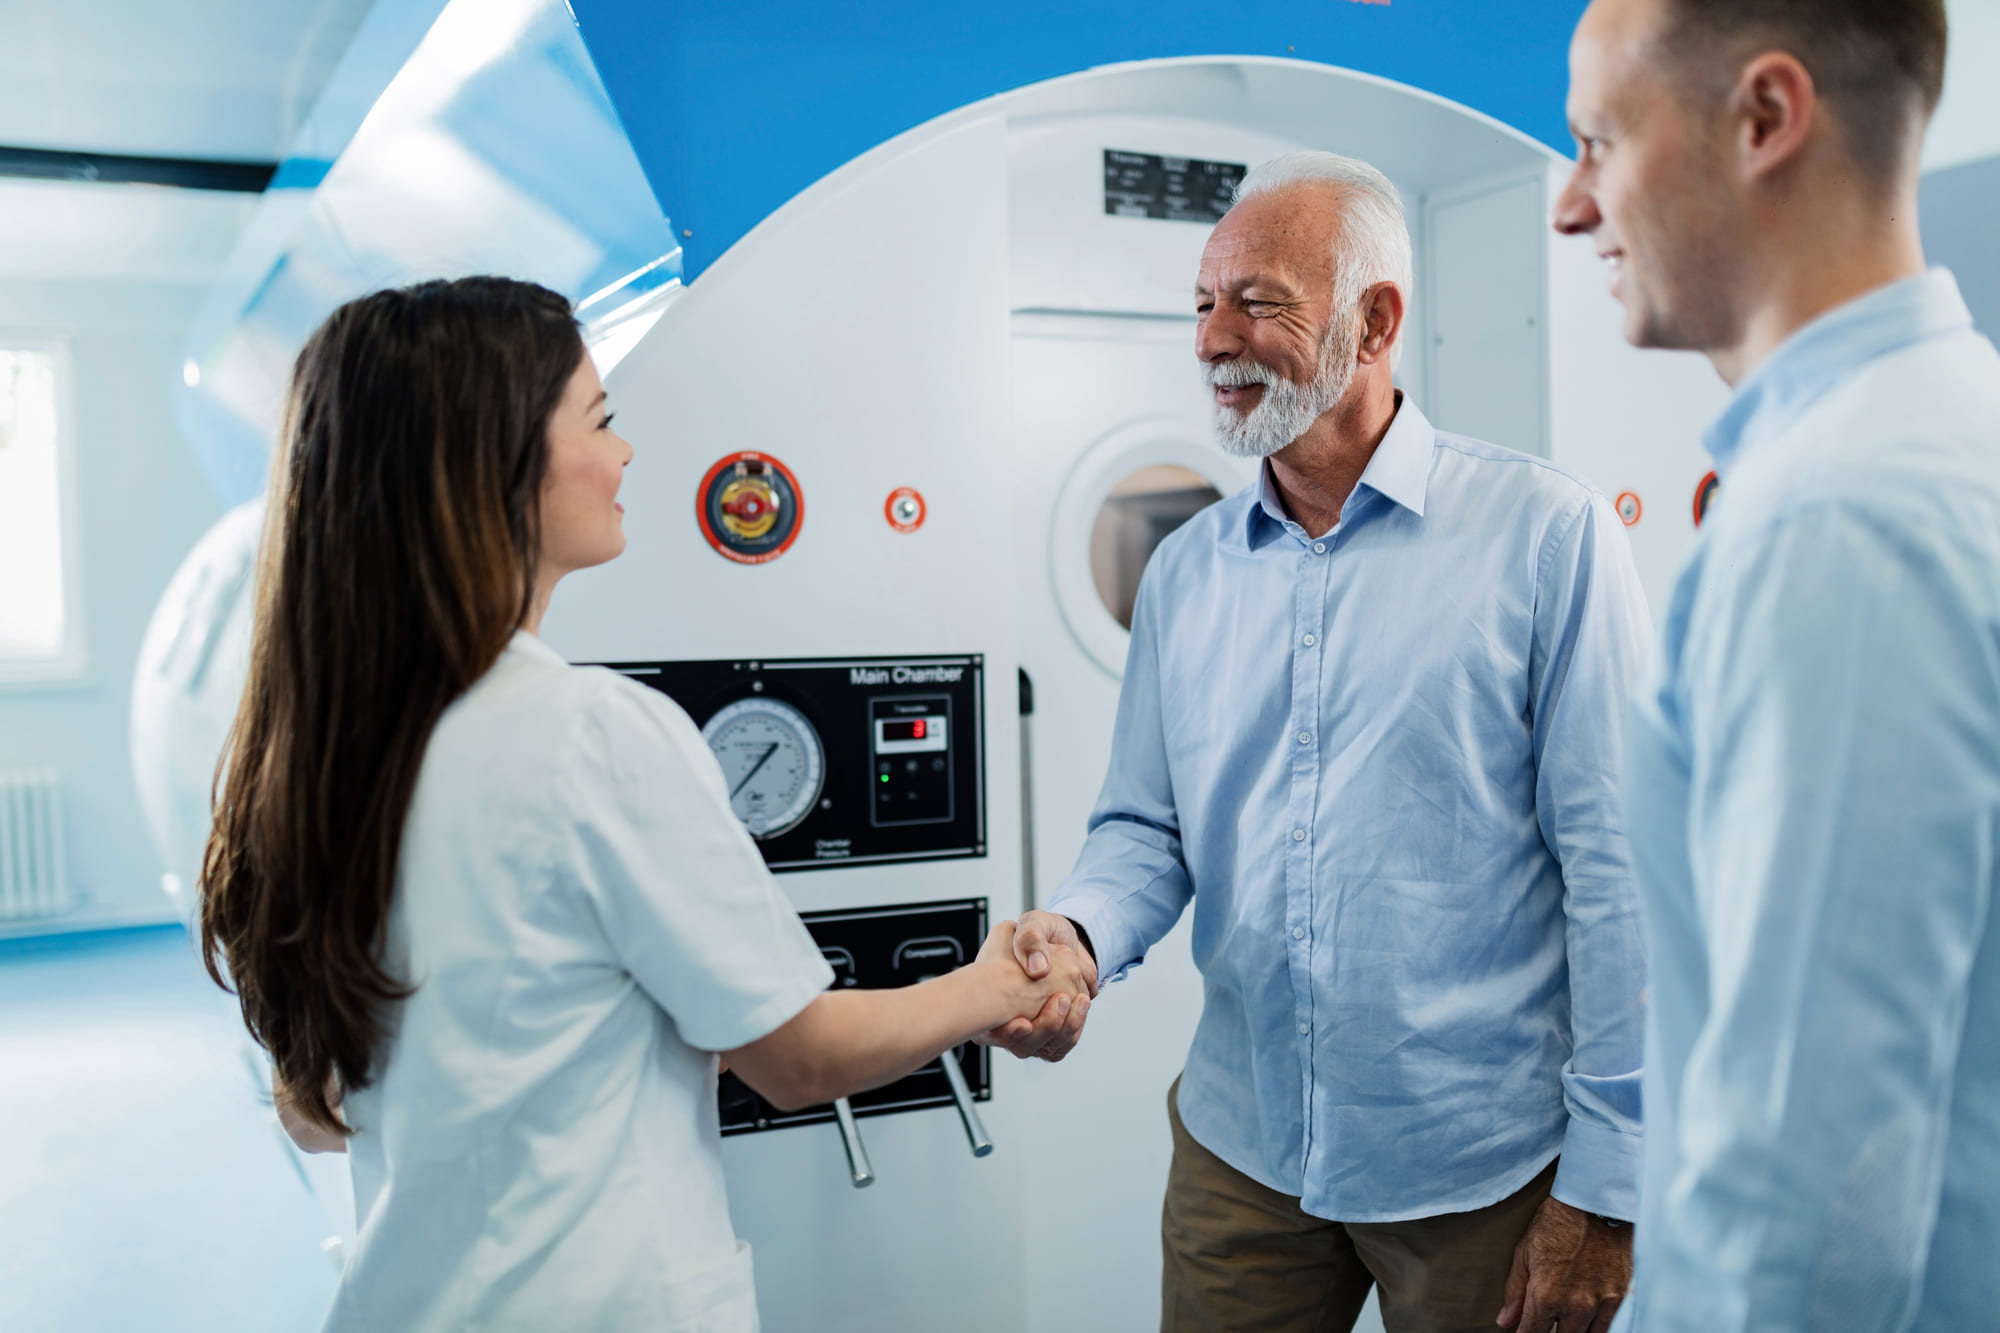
{"type": "Point", "coordinates": [772, 760]}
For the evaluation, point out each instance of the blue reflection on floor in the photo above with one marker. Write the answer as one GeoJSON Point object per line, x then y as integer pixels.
{"type": "Point", "coordinates": [141, 1183]}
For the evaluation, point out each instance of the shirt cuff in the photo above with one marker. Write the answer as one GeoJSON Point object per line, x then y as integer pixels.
{"type": "Point", "coordinates": [1599, 1171]}
{"type": "Point", "coordinates": [1114, 945]}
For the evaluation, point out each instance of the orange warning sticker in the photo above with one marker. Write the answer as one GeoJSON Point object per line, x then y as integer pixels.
{"type": "Point", "coordinates": [905, 509]}
{"type": "Point", "coordinates": [1704, 496]}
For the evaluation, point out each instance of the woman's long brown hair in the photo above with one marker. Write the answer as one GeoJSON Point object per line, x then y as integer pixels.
{"type": "Point", "coordinates": [399, 556]}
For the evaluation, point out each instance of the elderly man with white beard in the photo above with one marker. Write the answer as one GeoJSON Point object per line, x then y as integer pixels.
{"type": "Point", "coordinates": [1370, 727]}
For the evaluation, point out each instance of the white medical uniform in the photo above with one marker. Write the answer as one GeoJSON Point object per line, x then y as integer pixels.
{"type": "Point", "coordinates": [584, 921]}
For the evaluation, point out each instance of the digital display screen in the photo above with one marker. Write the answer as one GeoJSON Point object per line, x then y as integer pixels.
{"type": "Point", "coordinates": [1178, 189]}
{"type": "Point", "coordinates": [910, 732]}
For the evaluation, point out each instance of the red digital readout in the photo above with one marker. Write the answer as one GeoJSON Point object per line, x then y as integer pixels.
{"type": "Point", "coordinates": [910, 729]}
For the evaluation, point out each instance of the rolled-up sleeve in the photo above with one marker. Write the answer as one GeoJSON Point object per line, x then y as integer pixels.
{"type": "Point", "coordinates": [1130, 883]}
{"type": "Point", "coordinates": [1842, 703]}
{"type": "Point", "coordinates": [1591, 633]}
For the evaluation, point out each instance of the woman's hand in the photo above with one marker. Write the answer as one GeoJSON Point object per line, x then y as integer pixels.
{"type": "Point", "coordinates": [1041, 941]}
{"type": "Point", "coordinates": [848, 1041]}
{"type": "Point", "coordinates": [1066, 985]}
{"type": "Point", "coordinates": [308, 1136]}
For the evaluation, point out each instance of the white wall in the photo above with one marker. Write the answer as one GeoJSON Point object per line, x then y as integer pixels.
{"type": "Point", "coordinates": [119, 271]}
{"type": "Point", "coordinates": [1967, 125]}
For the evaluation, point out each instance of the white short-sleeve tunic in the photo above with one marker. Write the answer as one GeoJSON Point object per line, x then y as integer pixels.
{"type": "Point", "coordinates": [585, 921]}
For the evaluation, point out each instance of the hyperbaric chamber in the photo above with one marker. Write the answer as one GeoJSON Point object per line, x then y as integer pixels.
{"type": "Point", "coordinates": [974, 313]}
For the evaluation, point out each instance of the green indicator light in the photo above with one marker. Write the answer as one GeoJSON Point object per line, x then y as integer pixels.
{"type": "Point", "coordinates": [885, 777]}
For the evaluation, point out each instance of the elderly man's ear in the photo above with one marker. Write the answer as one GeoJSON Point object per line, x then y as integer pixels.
{"type": "Point", "coordinates": [1384, 321]}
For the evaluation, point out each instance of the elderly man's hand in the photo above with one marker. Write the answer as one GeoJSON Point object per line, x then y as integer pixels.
{"type": "Point", "coordinates": [1571, 1272]}
{"type": "Point", "coordinates": [1039, 940]}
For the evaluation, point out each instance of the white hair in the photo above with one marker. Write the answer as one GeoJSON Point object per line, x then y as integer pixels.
{"type": "Point", "coordinates": [1374, 241]}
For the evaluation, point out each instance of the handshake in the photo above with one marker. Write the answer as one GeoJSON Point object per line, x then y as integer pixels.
{"type": "Point", "coordinates": [1028, 990]}
{"type": "Point", "coordinates": [1045, 977]}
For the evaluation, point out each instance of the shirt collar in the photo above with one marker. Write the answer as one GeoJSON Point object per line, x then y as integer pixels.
{"type": "Point", "coordinates": [1833, 346]}
{"type": "Point", "coordinates": [530, 646]}
{"type": "Point", "coordinates": [1399, 471]}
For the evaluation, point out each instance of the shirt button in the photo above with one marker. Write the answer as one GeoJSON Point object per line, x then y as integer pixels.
{"type": "Point", "coordinates": [1305, 1029]}
{"type": "Point", "coordinates": [1319, 548]}
{"type": "Point", "coordinates": [1298, 932]}
{"type": "Point", "coordinates": [1305, 738]}
{"type": "Point", "coordinates": [1298, 835]}
{"type": "Point", "coordinates": [1310, 641]}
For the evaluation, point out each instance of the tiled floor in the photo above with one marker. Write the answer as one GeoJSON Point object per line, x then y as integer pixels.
{"type": "Point", "coordinates": [142, 1185]}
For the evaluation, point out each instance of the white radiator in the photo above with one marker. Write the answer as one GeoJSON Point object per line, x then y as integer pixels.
{"type": "Point", "coordinates": [33, 881]}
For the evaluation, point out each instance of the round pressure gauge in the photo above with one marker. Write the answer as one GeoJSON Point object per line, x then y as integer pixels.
{"type": "Point", "coordinates": [772, 760]}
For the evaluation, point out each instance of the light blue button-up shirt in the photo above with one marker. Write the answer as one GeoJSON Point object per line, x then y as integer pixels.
{"type": "Point", "coordinates": [1384, 765]}
{"type": "Point", "coordinates": [1815, 815]}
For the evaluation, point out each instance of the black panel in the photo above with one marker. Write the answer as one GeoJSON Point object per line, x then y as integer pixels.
{"type": "Point", "coordinates": [878, 948]}
{"type": "Point", "coordinates": [189, 173]}
{"type": "Point", "coordinates": [886, 797]}
{"type": "Point", "coordinates": [1177, 189]}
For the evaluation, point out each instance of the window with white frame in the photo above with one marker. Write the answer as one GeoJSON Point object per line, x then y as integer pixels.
{"type": "Point", "coordinates": [38, 633]}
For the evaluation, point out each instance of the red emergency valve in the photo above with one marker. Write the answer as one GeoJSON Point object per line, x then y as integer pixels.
{"type": "Point", "coordinates": [749, 507]}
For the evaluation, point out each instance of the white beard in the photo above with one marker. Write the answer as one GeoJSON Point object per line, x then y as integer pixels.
{"type": "Point", "coordinates": [1286, 410]}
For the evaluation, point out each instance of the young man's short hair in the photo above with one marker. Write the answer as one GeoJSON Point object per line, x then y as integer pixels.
{"type": "Point", "coordinates": [1876, 63]}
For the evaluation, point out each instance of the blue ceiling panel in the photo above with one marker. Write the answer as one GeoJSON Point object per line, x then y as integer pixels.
{"type": "Point", "coordinates": [735, 107]}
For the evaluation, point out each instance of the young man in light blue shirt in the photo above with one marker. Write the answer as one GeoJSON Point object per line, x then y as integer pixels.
{"type": "Point", "coordinates": [1370, 728]}
{"type": "Point", "coordinates": [1814, 778]}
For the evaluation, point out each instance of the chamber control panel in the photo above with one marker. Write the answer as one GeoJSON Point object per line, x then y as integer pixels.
{"type": "Point", "coordinates": [842, 761]}
{"type": "Point", "coordinates": [881, 947]}
{"type": "Point", "coordinates": [911, 744]}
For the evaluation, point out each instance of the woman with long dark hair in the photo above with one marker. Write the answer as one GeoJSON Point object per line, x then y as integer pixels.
{"type": "Point", "coordinates": [490, 913]}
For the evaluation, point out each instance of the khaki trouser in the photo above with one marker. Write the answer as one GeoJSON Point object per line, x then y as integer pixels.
{"type": "Point", "coordinates": [1241, 1258]}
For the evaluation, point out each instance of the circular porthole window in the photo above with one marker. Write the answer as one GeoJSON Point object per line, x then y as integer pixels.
{"type": "Point", "coordinates": [1123, 497]}
{"type": "Point", "coordinates": [1136, 516]}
